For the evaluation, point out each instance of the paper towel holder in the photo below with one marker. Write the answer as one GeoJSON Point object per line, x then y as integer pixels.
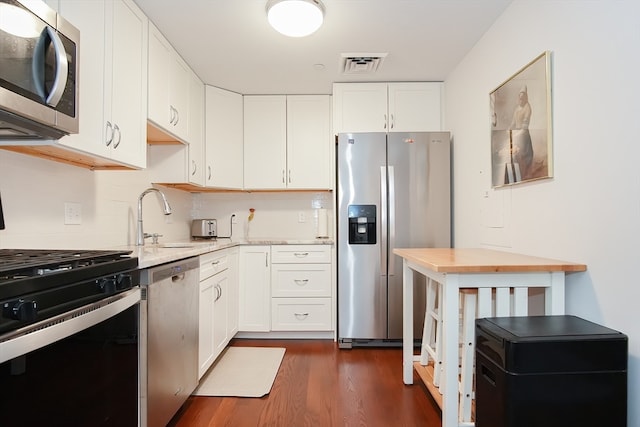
{"type": "Point", "coordinates": [322, 231]}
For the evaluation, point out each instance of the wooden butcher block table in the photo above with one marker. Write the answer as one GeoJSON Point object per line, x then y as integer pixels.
{"type": "Point", "coordinates": [500, 283]}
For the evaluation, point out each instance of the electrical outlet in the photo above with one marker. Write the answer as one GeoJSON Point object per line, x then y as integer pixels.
{"type": "Point", "coordinates": [72, 213]}
{"type": "Point", "coordinates": [302, 217]}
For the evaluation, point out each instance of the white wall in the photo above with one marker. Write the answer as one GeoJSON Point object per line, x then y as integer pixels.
{"type": "Point", "coordinates": [590, 211]}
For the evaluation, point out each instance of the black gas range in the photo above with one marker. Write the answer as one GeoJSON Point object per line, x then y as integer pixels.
{"type": "Point", "coordinates": [38, 284]}
{"type": "Point", "coordinates": [69, 338]}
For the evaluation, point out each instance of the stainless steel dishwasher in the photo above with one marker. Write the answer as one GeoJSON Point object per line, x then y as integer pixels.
{"type": "Point", "coordinates": [169, 339]}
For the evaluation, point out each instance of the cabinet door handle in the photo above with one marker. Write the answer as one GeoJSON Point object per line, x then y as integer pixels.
{"type": "Point", "coordinates": [177, 117]}
{"type": "Point", "coordinates": [195, 167]}
{"type": "Point", "coordinates": [116, 129]}
{"type": "Point", "coordinates": [300, 254]}
{"type": "Point", "coordinates": [108, 133]}
{"type": "Point", "coordinates": [283, 176]}
{"type": "Point", "coordinates": [172, 114]}
{"type": "Point", "coordinates": [385, 121]}
{"type": "Point", "coordinates": [218, 293]}
{"type": "Point", "coordinates": [266, 259]}
{"type": "Point", "coordinates": [393, 121]}
{"type": "Point", "coordinates": [301, 316]}
{"type": "Point", "coordinates": [289, 176]}
{"type": "Point", "coordinates": [301, 282]}
{"type": "Point", "coordinates": [209, 169]}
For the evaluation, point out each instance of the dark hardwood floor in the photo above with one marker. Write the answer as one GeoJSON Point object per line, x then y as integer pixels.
{"type": "Point", "coordinates": [320, 385]}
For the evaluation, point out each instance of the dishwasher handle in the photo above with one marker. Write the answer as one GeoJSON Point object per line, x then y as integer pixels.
{"type": "Point", "coordinates": [174, 271]}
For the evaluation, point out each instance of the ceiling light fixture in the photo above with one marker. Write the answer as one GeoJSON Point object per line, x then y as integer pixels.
{"type": "Point", "coordinates": [295, 18]}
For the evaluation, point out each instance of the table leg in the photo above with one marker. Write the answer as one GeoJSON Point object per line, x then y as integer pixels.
{"type": "Point", "coordinates": [554, 295]}
{"type": "Point", "coordinates": [450, 316]}
{"type": "Point", "coordinates": [407, 323]}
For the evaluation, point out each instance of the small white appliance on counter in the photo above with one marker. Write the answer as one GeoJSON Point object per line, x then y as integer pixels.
{"type": "Point", "coordinates": [204, 229]}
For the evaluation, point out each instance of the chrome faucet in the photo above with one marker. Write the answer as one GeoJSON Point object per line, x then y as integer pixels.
{"type": "Point", "coordinates": [166, 210]}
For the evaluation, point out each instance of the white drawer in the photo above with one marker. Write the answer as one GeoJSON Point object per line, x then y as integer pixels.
{"type": "Point", "coordinates": [301, 280]}
{"type": "Point", "coordinates": [288, 254]}
{"type": "Point", "coordinates": [301, 314]}
{"type": "Point", "coordinates": [213, 262]}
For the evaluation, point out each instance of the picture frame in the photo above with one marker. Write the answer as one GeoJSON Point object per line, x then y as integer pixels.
{"type": "Point", "coordinates": [521, 131]}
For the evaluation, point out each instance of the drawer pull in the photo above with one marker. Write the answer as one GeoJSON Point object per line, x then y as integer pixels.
{"type": "Point", "coordinates": [301, 282]}
{"type": "Point", "coordinates": [301, 254]}
{"type": "Point", "coordinates": [301, 316]}
{"type": "Point", "coordinates": [214, 263]}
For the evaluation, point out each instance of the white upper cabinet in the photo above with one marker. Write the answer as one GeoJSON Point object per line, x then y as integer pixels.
{"type": "Point", "coordinates": [387, 107]}
{"type": "Point", "coordinates": [360, 107]}
{"type": "Point", "coordinates": [113, 76]}
{"type": "Point", "coordinates": [168, 87]}
{"type": "Point", "coordinates": [287, 142]}
{"type": "Point", "coordinates": [265, 142]}
{"type": "Point", "coordinates": [224, 139]}
{"type": "Point", "coordinates": [128, 82]}
{"type": "Point", "coordinates": [196, 164]}
{"type": "Point", "coordinates": [309, 145]}
{"type": "Point", "coordinates": [414, 107]}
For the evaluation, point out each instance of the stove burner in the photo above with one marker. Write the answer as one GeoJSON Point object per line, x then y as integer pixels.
{"type": "Point", "coordinates": [35, 284]}
{"type": "Point", "coordinates": [29, 270]}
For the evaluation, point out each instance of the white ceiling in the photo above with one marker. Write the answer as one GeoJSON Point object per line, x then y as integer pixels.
{"type": "Point", "coordinates": [229, 43]}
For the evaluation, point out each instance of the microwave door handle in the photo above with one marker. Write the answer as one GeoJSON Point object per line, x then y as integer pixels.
{"type": "Point", "coordinates": [62, 69]}
{"type": "Point", "coordinates": [37, 65]}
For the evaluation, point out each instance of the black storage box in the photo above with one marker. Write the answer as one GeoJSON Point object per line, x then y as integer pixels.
{"type": "Point", "coordinates": [549, 371]}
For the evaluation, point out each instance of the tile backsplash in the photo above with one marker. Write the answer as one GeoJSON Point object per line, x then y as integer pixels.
{"type": "Point", "coordinates": [276, 215]}
{"type": "Point", "coordinates": [34, 192]}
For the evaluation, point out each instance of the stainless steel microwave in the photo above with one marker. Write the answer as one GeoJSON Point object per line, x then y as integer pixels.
{"type": "Point", "coordinates": [38, 72]}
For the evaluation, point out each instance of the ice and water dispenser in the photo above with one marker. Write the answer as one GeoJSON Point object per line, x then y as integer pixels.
{"type": "Point", "coordinates": [362, 224]}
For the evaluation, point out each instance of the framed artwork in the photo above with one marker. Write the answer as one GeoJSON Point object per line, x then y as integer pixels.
{"type": "Point", "coordinates": [521, 137]}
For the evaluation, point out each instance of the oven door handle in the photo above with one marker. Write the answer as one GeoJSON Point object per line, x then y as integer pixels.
{"type": "Point", "coordinates": [40, 334]}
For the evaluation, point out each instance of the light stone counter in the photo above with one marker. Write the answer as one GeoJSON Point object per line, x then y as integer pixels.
{"type": "Point", "coordinates": [151, 255]}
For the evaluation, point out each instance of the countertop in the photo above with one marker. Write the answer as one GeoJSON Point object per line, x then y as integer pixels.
{"type": "Point", "coordinates": [151, 255]}
{"type": "Point", "coordinates": [445, 260]}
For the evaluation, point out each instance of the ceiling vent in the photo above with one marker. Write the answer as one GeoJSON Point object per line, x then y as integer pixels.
{"type": "Point", "coordinates": [363, 63]}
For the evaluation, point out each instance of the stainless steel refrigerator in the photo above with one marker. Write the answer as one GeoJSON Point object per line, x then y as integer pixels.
{"type": "Point", "coordinates": [393, 192]}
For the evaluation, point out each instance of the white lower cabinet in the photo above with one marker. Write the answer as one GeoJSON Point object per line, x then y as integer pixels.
{"type": "Point", "coordinates": [218, 304]}
{"type": "Point", "coordinates": [301, 288]}
{"type": "Point", "coordinates": [301, 314]}
{"type": "Point", "coordinates": [286, 288]}
{"type": "Point", "coordinates": [255, 289]}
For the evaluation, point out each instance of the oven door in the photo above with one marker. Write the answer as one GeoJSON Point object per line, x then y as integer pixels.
{"type": "Point", "coordinates": [76, 369]}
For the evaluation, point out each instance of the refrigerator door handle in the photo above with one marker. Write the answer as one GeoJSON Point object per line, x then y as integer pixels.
{"type": "Point", "coordinates": [392, 220]}
{"type": "Point", "coordinates": [383, 220]}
